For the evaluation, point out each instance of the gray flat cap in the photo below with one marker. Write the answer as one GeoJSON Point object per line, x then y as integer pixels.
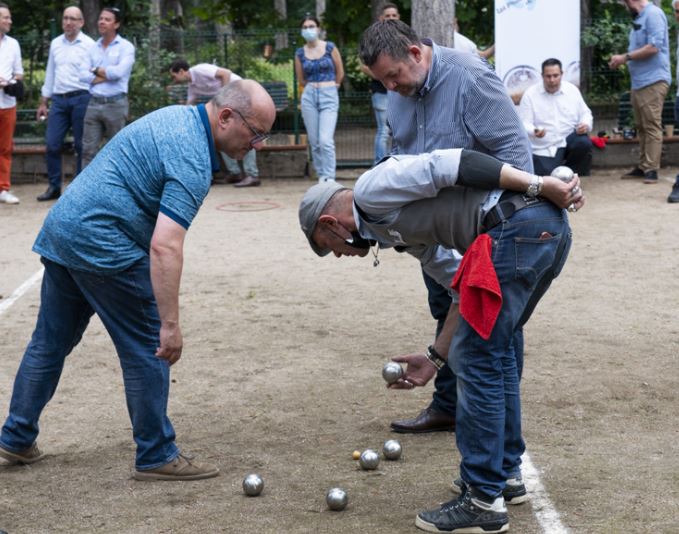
{"type": "Point", "coordinates": [311, 207]}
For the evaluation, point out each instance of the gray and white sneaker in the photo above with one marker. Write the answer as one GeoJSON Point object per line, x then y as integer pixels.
{"type": "Point", "coordinates": [468, 514]}
{"type": "Point", "coordinates": [514, 492]}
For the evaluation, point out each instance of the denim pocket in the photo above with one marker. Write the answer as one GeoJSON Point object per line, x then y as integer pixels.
{"type": "Point", "coordinates": [534, 256]}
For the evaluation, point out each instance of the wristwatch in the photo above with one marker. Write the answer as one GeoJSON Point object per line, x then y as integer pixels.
{"type": "Point", "coordinates": [628, 56]}
{"type": "Point", "coordinates": [434, 357]}
{"type": "Point", "coordinates": [535, 187]}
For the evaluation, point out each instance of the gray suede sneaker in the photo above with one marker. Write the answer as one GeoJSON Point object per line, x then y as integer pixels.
{"type": "Point", "coordinates": [27, 456]}
{"type": "Point", "coordinates": [181, 468]}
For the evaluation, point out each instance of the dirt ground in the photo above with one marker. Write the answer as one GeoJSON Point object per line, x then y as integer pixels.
{"type": "Point", "coordinates": [281, 376]}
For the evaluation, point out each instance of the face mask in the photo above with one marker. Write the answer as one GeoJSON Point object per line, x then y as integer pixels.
{"type": "Point", "coordinates": [310, 34]}
{"type": "Point", "coordinates": [357, 241]}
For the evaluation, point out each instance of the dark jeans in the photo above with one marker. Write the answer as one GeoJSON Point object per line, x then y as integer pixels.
{"type": "Point", "coordinates": [125, 304]}
{"type": "Point", "coordinates": [65, 113]}
{"type": "Point", "coordinates": [577, 154]}
{"type": "Point", "coordinates": [529, 251]}
{"type": "Point", "coordinates": [444, 398]}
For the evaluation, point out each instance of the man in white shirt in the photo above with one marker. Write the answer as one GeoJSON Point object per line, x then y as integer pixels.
{"type": "Point", "coordinates": [107, 72]}
{"type": "Point", "coordinates": [69, 96]}
{"type": "Point", "coordinates": [205, 80]}
{"type": "Point", "coordinates": [11, 86]}
{"type": "Point", "coordinates": [558, 122]}
{"type": "Point", "coordinates": [465, 44]}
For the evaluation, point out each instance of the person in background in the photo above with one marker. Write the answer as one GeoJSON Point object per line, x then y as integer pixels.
{"type": "Point", "coordinates": [318, 66]}
{"type": "Point", "coordinates": [68, 94]}
{"type": "Point", "coordinates": [648, 62]}
{"type": "Point", "coordinates": [108, 71]}
{"type": "Point", "coordinates": [11, 87]}
{"type": "Point", "coordinates": [465, 44]}
{"type": "Point", "coordinates": [558, 122]}
{"type": "Point", "coordinates": [205, 80]}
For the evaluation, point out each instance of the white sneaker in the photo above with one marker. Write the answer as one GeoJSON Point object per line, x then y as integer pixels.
{"type": "Point", "coordinates": [8, 198]}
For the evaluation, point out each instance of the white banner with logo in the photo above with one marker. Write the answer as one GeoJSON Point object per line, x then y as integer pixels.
{"type": "Point", "coordinates": [529, 31]}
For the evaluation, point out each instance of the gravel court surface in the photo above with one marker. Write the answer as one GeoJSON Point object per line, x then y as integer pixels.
{"type": "Point", "coordinates": [281, 376]}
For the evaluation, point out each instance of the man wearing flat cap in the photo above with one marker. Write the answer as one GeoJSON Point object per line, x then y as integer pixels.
{"type": "Point", "coordinates": [515, 242]}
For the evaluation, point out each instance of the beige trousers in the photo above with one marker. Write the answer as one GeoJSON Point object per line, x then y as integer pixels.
{"type": "Point", "coordinates": [647, 104]}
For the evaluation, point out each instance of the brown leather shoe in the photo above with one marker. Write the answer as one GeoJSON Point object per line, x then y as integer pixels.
{"type": "Point", "coordinates": [429, 420]}
{"type": "Point", "coordinates": [181, 468]}
{"type": "Point", "coordinates": [248, 181]}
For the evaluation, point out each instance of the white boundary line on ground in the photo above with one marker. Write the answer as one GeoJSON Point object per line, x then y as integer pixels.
{"type": "Point", "coordinates": [5, 304]}
{"type": "Point", "coordinates": [545, 513]}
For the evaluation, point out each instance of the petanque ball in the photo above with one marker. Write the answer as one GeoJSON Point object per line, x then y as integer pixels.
{"type": "Point", "coordinates": [563, 173]}
{"type": "Point", "coordinates": [391, 372]}
{"type": "Point", "coordinates": [337, 499]}
{"type": "Point", "coordinates": [253, 485]}
{"type": "Point", "coordinates": [369, 459]}
{"type": "Point", "coordinates": [392, 449]}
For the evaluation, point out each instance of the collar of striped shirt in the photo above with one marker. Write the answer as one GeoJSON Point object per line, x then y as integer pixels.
{"type": "Point", "coordinates": [433, 68]}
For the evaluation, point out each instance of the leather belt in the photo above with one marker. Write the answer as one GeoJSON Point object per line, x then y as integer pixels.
{"type": "Point", "coordinates": [73, 93]}
{"type": "Point", "coordinates": [108, 99]}
{"type": "Point", "coordinates": [510, 202]}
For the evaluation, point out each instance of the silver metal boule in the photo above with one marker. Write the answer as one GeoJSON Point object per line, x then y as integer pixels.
{"type": "Point", "coordinates": [253, 485]}
{"type": "Point", "coordinates": [563, 173]}
{"type": "Point", "coordinates": [392, 449]}
{"type": "Point", "coordinates": [369, 459]}
{"type": "Point", "coordinates": [337, 499]}
{"type": "Point", "coordinates": [391, 372]}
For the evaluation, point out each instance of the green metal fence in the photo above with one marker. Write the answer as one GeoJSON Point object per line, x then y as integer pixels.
{"type": "Point", "coordinates": [266, 56]}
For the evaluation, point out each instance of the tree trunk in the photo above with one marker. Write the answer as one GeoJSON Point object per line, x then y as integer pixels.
{"type": "Point", "coordinates": [434, 19]}
{"type": "Point", "coordinates": [91, 9]}
{"type": "Point", "coordinates": [154, 37]}
{"type": "Point", "coordinates": [171, 27]}
{"type": "Point", "coordinates": [320, 9]}
{"type": "Point", "coordinates": [281, 8]}
{"type": "Point", "coordinates": [586, 55]}
{"type": "Point", "coordinates": [376, 7]}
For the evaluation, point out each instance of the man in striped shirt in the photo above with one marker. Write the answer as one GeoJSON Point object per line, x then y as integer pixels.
{"type": "Point", "coordinates": [442, 98]}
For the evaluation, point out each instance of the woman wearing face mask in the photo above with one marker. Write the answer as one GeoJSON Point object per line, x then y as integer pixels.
{"type": "Point", "coordinates": [319, 69]}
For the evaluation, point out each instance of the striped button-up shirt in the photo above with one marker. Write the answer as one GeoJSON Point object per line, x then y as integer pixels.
{"type": "Point", "coordinates": [63, 65]}
{"type": "Point", "coordinates": [117, 58]}
{"type": "Point", "coordinates": [462, 104]}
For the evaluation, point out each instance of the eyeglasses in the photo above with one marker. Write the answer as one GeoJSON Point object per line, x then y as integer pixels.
{"type": "Point", "coordinates": [72, 18]}
{"type": "Point", "coordinates": [258, 137]}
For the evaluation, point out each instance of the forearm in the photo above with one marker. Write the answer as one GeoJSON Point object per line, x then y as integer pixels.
{"type": "Point", "coordinates": [445, 337]}
{"type": "Point", "coordinates": [166, 271]}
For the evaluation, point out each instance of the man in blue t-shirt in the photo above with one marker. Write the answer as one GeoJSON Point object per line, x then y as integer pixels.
{"type": "Point", "coordinates": [113, 245]}
{"type": "Point", "coordinates": [648, 61]}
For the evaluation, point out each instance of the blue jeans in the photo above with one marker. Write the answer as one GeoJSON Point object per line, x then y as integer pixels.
{"type": "Point", "coordinates": [65, 113]}
{"type": "Point", "coordinates": [444, 398]}
{"type": "Point", "coordinates": [320, 106]}
{"type": "Point", "coordinates": [125, 304]}
{"type": "Point", "coordinates": [529, 251]}
{"type": "Point", "coordinates": [379, 101]}
{"type": "Point", "coordinates": [249, 164]}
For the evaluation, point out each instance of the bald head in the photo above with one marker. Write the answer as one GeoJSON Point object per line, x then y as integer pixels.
{"type": "Point", "coordinates": [72, 22]}
{"type": "Point", "coordinates": [241, 115]}
{"type": "Point", "coordinates": [248, 97]}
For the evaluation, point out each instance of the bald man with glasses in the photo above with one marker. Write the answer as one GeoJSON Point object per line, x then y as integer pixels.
{"type": "Point", "coordinates": [68, 94]}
